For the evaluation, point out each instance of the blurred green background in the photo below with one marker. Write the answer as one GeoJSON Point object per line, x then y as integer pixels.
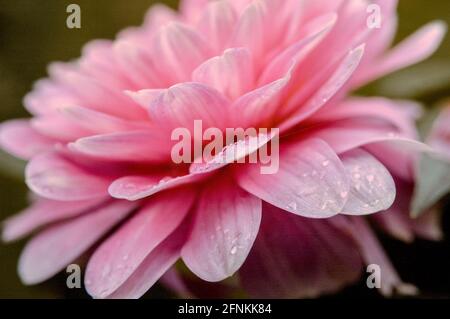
{"type": "Point", "coordinates": [34, 33]}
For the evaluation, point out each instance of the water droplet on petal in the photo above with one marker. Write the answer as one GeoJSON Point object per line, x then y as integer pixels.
{"type": "Point", "coordinates": [165, 180]}
{"type": "Point", "coordinates": [129, 186]}
{"type": "Point", "coordinates": [292, 206]}
{"type": "Point", "coordinates": [233, 250]}
{"type": "Point", "coordinates": [344, 194]}
{"type": "Point", "coordinates": [325, 163]}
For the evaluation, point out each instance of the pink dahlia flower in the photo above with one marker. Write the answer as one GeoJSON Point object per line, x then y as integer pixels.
{"type": "Point", "coordinates": [99, 145]}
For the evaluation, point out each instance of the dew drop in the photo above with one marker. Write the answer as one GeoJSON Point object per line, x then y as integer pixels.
{"type": "Point", "coordinates": [292, 206]}
{"type": "Point", "coordinates": [325, 163]}
{"type": "Point", "coordinates": [165, 180]}
{"type": "Point", "coordinates": [233, 250]}
{"type": "Point", "coordinates": [129, 186]}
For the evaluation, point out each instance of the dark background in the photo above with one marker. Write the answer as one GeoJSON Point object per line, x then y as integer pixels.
{"type": "Point", "coordinates": [34, 33]}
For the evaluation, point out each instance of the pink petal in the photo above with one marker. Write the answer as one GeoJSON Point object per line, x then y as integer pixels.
{"type": "Point", "coordinates": [335, 82]}
{"type": "Point", "coordinates": [95, 94]}
{"type": "Point", "coordinates": [225, 227]}
{"type": "Point", "coordinates": [231, 74]}
{"type": "Point", "coordinates": [174, 282]}
{"type": "Point", "coordinates": [158, 15]}
{"type": "Point", "coordinates": [20, 139]}
{"type": "Point", "coordinates": [153, 266]}
{"type": "Point", "coordinates": [414, 49]}
{"type": "Point", "coordinates": [144, 97]}
{"type": "Point", "coordinates": [350, 134]}
{"type": "Point", "coordinates": [396, 223]}
{"type": "Point", "coordinates": [54, 177]}
{"type": "Point", "coordinates": [47, 96]}
{"type": "Point", "coordinates": [216, 24]}
{"type": "Point", "coordinates": [296, 257]}
{"type": "Point", "coordinates": [99, 62]}
{"type": "Point", "coordinates": [182, 104]}
{"type": "Point", "coordinates": [250, 29]}
{"type": "Point", "coordinates": [44, 212]}
{"type": "Point", "coordinates": [192, 9]}
{"type": "Point", "coordinates": [234, 153]}
{"type": "Point", "coordinates": [260, 105]}
{"type": "Point", "coordinates": [310, 181]}
{"type": "Point", "coordinates": [400, 114]}
{"type": "Point", "coordinates": [137, 64]}
{"type": "Point", "coordinates": [138, 187]}
{"type": "Point", "coordinates": [372, 188]}
{"type": "Point", "coordinates": [262, 28]}
{"type": "Point", "coordinates": [179, 51]}
{"type": "Point", "coordinates": [314, 32]}
{"type": "Point", "coordinates": [99, 123]}
{"type": "Point", "coordinates": [120, 255]}
{"type": "Point", "coordinates": [428, 225]}
{"type": "Point", "coordinates": [56, 126]}
{"type": "Point", "coordinates": [149, 145]}
{"type": "Point", "coordinates": [53, 249]}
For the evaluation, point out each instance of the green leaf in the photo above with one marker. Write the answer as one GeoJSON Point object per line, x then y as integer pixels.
{"type": "Point", "coordinates": [432, 183]}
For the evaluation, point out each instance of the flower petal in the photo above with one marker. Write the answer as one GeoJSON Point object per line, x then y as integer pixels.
{"type": "Point", "coordinates": [153, 266]}
{"type": "Point", "coordinates": [179, 51]}
{"type": "Point", "coordinates": [144, 145]}
{"type": "Point", "coordinates": [53, 249]}
{"type": "Point", "coordinates": [138, 187]}
{"type": "Point", "coordinates": [182, 104]}
{"type": "Point", "coordinates": [217, 23]}
{"type": "Point", "coordinates": [311, 180]}
{"type": "Point", "coordinates": [414, 49]}
{"type": "Point", "coordinates": [97, 122]}
{"type": "Point", "coordinates": [296, 257]}
{"type": "Point", "coordinates": [21, 140]}
{"type": "Point", "coordinates": [334, 83]}
{"type": "Point", "coordinates": [54, 177]}
{"type": "Point", "coordinates": [231, 74]}
{"type": "Point", "coordinates": [372, 188]}
{"type": "Point", "coordinates": [225, 227]}
{"type": "Point", "coordinates": [44, 212]}
{"type": "Point", "coordinates": [120, 255]}
{"type": "Point", "coordinates": [234, 153]}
